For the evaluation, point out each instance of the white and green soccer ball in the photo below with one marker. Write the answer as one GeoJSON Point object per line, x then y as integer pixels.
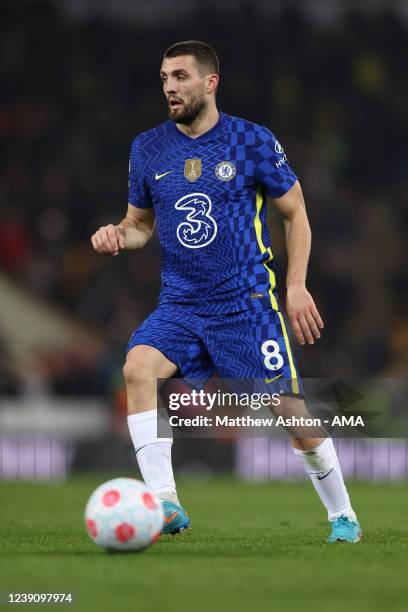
{"type": "Point", "coordinates": [123, 514]}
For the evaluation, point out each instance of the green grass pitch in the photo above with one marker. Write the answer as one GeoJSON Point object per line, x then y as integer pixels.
{"type": "Point", "coordinates": [252, 547]}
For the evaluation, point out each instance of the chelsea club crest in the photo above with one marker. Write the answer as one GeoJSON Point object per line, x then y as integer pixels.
{"type": "Point", "coordinates": [225, 171]}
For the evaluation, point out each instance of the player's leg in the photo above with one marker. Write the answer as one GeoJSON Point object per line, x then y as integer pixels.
{"type": "Point", "coordinates": [144, 365]}
{"type": "Point", "coordinates": [319, 460]}
{"type": "Point", "coordinates": [258, 348]}
{"type": "Point", "coordinates": [317, 455]}
{"type": "Point", "coordinates": [321, 464]}
{"type": "Point", "coordinates": [163, 344]}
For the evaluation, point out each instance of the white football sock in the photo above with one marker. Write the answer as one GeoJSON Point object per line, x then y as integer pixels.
{"type": "Point", "coordinates": [153, 454]}
{"type": "Point", "coordinates": [323, 467]}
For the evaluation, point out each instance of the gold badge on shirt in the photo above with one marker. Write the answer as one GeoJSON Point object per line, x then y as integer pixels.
{"type": "Point", "coordinates": [192, 169]}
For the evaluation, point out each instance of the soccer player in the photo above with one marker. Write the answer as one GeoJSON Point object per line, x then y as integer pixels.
{"type": "Point", "coordinates": [203, 177]}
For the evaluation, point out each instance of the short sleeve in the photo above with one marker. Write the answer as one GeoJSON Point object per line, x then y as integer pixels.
{"type": "Point", "coordinates": [271, 165]}
{"type": "Point", "coordinates": [139, 195]}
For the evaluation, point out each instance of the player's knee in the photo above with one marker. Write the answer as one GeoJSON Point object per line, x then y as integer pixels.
{"type": "Point", "coordinates": [137, 371]}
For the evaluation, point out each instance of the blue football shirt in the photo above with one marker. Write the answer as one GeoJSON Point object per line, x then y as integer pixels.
{"type": "Point", "coordinates": [209, 196]}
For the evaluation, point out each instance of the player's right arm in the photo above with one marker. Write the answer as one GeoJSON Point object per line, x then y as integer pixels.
{"type": "Point", "coordinates": [132, 232]}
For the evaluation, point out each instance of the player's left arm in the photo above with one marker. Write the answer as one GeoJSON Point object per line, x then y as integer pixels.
{"type": "Point", "coordinates": [302, 312]}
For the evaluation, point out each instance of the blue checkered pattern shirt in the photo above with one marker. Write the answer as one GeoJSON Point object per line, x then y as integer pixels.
{"type": "Point", "coordinates": [209, 196]}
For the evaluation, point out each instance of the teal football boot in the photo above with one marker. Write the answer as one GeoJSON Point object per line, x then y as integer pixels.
{"type": "Point", "coordinates": [345, 530]}
{"type": "Point", "coordinates": [175, 518]}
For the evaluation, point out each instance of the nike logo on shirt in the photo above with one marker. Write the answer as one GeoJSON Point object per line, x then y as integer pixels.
{"type": "Point", "coordinates": [159, 176]}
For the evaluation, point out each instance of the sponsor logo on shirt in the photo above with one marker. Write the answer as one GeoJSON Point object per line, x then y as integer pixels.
{"type": "Point", "coordinates": [280, 151]}
{"type": "Point", "coordinates": [199, 228]}
{"type": "Point", "coordinates": [278, 148]}
{"type": "Point", "coordinates": [281, 161]}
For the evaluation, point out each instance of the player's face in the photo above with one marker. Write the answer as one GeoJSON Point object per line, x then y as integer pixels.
{"type": "Point", "coordinates": [184, 87]}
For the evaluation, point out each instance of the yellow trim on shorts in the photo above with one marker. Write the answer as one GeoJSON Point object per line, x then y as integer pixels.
{"type": "Point", "coordinates": [258, 230]}
{"type": "Point", "coordinates": [272, 282]}
{"type": "Point", "coordinates": [295, 382]}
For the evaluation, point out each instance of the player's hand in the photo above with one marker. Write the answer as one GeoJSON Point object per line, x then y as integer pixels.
{"type": "Point", "coordinates": [109, 240]}
{"type": "Point", "coordinates": [303, 314]}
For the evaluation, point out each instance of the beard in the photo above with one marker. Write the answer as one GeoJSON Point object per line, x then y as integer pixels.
{"type": "Point", "coordinates": [189, 112]}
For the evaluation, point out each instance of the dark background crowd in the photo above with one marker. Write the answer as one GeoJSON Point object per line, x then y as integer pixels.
{"type": "Point", "coordinates": [74, 93]}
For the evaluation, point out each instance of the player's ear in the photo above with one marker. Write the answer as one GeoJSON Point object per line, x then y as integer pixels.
{"type": "Point", "coordinates": [212, 83]}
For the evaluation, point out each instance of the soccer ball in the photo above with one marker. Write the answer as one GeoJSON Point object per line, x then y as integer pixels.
{"type": "Point", "coordinates": [122, 514]}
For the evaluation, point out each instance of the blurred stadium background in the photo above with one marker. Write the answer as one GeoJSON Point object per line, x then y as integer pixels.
{"type": "Point", "coordinates": [79, 79]}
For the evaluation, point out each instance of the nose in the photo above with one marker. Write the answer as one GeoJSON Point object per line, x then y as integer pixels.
{"type": "Point", "coordinates": [170, 86]}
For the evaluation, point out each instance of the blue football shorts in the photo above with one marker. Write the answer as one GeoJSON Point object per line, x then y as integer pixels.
{"type": "Point", "coordinates": [251, 344]}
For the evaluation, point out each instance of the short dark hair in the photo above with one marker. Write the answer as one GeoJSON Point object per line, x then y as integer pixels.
{"type": "Point", "coordinates": [204, 55]}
